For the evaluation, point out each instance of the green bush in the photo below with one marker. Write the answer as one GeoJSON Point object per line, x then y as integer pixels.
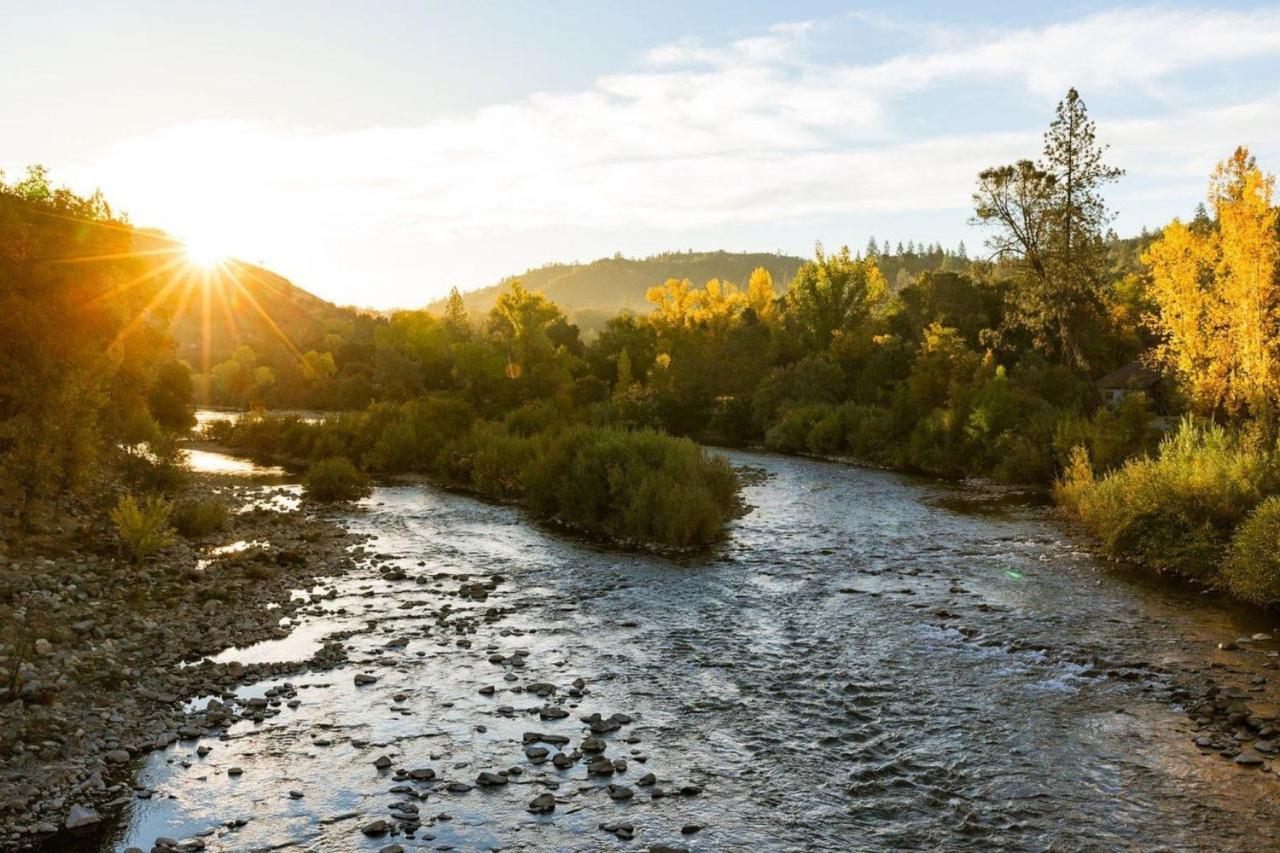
{"type": "Point", "coordinates": [1176, 511]}
{"type": "Point", "coordinates": [640, 486]}
{"type": "Point", "coordinates": [1252, 569]}
{"type": "Point", "coordinates": [790, 434]}
{"type": "Point", "coordinates": [335, 479]}
{"type": "Point", "coordinates": [196, 518]}
{"type": "Point", "coordinates": [143, 528]}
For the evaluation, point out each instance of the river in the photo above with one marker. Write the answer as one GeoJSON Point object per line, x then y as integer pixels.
{"type": "Point", "coordinates": [870, 662]}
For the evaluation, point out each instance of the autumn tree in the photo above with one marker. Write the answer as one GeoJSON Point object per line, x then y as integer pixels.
{"type": "Point", "coordinates": [1218, 307]}
{"type": "Point", "coordinates": [674, 301]}
{"type": "Point", "coordinates": [760, 293]}
{"type": "Point", "coordinates": [1049, 220]}
{"type": "Point", "coordinates": [833, 293]}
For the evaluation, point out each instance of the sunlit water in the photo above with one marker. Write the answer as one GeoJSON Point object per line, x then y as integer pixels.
{"type": "Point", "coordinates": [867, 664]}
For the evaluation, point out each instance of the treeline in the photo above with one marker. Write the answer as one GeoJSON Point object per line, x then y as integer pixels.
{"type": "Point", "coordinates": [1065, 355]}
{"type": "Point", "coordinates": [1207, 505]}
{"type": "Point", "coordinates": [90, 388]}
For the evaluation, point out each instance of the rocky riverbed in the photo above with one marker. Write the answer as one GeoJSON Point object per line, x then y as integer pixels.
{"type": "Point", "coordinates": [870, 663]}
{"type": "Point", "coordinates": [100, 655]}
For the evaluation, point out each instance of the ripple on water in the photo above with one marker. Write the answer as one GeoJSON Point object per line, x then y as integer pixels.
{"type": "Point", "coordinates": [940, 703]}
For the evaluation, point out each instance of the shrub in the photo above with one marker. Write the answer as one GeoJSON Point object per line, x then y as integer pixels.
{"type": "Point", "coordinates": [1252, 569]}
{"type": "Point", "coordinates": [195, 518]}
{"type": "Point", "coordinates": [790, 434]}
{"type": "Point", "coordinates": [640, 486]}
{"type": "Point", "coordinates": [1177, 511]}
{"type": "Point", "coordinates": [335, 479]}
{"type": "Point", "coordinates": [143, 528]}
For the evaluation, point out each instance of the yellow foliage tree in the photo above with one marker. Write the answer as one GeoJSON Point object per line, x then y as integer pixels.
{"type": "Point", "coordinates": [1217, 296]}
{"type": "Point", "coordinates": [675, 301]}
{"type": "Point", "coordinates": [760, 293]}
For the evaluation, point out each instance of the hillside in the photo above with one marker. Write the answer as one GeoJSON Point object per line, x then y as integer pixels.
{"type": "Point", "coordinates": [605, 286]}
{"type": "Point", "coordinates": [244, 304]}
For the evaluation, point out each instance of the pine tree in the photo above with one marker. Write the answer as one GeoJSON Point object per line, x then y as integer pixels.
{"type": "Point", "coordinates": [1050, 220]}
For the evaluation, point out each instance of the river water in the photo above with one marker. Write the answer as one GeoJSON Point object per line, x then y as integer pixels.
{"type": "Point", "coordinates": [871, 662]}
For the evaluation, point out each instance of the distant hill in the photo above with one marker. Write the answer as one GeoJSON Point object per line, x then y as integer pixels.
{"type": "Point", "coordinates": [246, 304]}
{"type": "Point", "coordinates": [589, 292]}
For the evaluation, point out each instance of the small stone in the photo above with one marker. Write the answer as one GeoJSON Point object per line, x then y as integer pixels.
{"type": "Point", "coordinates": [690, 828]}
{"type": "Point", "coordinates": [382, 762]}
{"type": "Point", "coordinates": [235, 771]}
{"type": "Point", "coordinates": [377, 827]}
{"type": "Point", "coordinates": [118, 756]}
{"type": "Point", "coordinates": [543, 804]}
{"type": "Point", "coordinates": [43, 647]}
{"type": "Point", "coordinates": [620, 792]}
{"type": "Point", "coordinates": [491, 780]}
{"type": "Point", "coordinates": [81, 816]}
{"type": "Point", "coordinates": [362, 679]}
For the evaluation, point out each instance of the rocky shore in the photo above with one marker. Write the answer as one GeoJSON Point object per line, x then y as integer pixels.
{"type": "Point", "coordinates": [98, 655]}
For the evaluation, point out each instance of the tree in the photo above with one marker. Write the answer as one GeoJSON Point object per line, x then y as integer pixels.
{"type": "Point", "coordinates": [455, 314]}
{"type": "Point", "coordinates": [1049, 219]}
{"type": "Point", "coordinates": [760, 294]}
{"type": "Point", "coordinates": [676, 300]}
{"type": "Point", "coordinates": [833, 293]}
{"type": "Point", "coordinates": [1218, 303]}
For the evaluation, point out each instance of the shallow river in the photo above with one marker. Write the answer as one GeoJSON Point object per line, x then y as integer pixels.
{"type": "Point", "coordinates": [872, 662]}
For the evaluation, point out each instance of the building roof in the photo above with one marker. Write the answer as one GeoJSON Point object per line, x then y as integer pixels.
{"type": "Point", "coordinates": [1134, 376]}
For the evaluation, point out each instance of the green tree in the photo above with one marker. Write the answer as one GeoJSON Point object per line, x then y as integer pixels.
{"type": "Point", "coordinates": [832, 294]}
{"type": "Point", "coordinates": [1049, 220]}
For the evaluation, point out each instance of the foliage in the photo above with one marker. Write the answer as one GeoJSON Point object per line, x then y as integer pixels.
{"type": "Point", "coordinates": [335, 479]}
{"type": "Point", "coordinates": [1217, 298]}
{"type": "Point", "coordinates": [82, 360]}
{"type": "Point", "coordinates": [1252, 569]}
{"type": "Point", "coordinates": [143, 527]}
{"type": "Point", "coordinates": [1049, 220]}
{"type": "Point", "coordinates": [1176, 510]}
{"type": "Point", "coordinates": [197, 517]}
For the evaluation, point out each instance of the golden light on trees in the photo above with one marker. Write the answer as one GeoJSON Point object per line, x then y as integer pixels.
{"type": "Point", "coordinates": [1215, 290]}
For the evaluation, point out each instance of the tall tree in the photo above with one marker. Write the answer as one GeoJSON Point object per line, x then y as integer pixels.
{"type": "Point", "coordinates": [1217, 296]}
{"type": "Point", "coordinates": [1050, 219]}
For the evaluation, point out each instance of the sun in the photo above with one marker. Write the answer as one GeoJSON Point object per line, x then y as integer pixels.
{"type": "Point", "coordinates": [204, 252]}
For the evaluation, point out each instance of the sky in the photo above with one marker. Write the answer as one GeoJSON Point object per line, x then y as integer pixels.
{"type": "Point", "coordinates": [379, 153]}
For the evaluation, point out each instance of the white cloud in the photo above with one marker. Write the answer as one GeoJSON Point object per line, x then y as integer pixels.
{"type": "Point", "coordinates": [697, 136]}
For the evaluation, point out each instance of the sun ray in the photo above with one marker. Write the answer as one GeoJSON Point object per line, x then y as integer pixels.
{"type": "Point", "coordinates": [145, 313]}
{"type": "Point", "coordinates": [143, 253]}
{"type": "Point", "coordinates": [134, 282]}
{"type": "Point", "coordinates": [265, 316]}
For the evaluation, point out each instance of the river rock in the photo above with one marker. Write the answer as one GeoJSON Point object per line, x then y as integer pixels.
{"type": "Point", "coordinates": [81, 816]}
{"type": "Point", "coordinates": [543, 804]}
{"type": "Point", "coordinates": [377, 827]}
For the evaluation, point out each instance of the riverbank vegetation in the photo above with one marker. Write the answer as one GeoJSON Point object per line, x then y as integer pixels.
{"type": "Point", "coordinates": [1064, 354]}
{"type": "Point", "coordinates": [92, 396]}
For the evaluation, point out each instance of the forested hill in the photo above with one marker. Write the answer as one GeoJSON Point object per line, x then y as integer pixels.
{"type": "Point", "coordinates": [609, 285]}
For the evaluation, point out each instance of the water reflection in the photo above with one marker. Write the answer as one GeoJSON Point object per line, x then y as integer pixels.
{"type": "Point", "coordinates": [865, 665]}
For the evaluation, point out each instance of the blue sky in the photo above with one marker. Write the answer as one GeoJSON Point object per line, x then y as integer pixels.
{"type": "Point", "coordinates": [379, 153]}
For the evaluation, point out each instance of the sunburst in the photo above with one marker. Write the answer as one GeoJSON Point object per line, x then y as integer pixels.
{"type": "Point", "coordinates": [201, 275]}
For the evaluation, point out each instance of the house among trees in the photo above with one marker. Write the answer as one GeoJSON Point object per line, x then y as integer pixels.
{"type": "Point", "coordinates": [1132, 378]}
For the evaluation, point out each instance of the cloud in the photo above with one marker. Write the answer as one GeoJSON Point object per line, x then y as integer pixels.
{"type": "Point", "coordinates": [696, 136]}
